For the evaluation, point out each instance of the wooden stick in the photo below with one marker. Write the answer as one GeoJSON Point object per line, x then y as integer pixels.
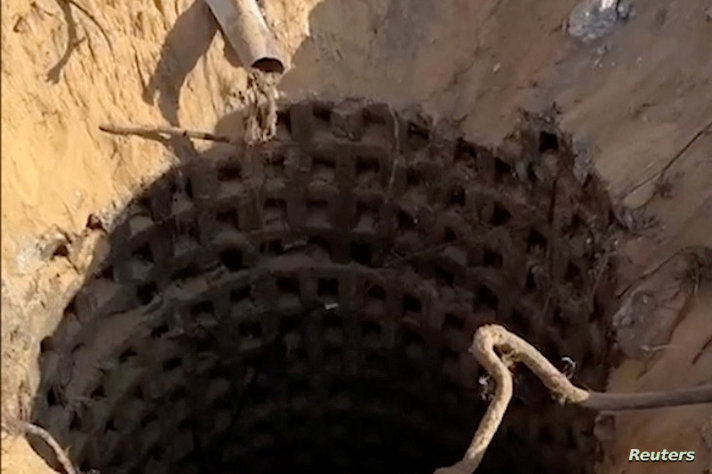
{"type": "Point", "coordinates": [150, 132]}
{"type": "Point", "coordinates": [516, 349]}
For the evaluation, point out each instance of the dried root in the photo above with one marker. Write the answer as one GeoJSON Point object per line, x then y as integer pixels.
{"type": "Point", "coordinates": [24, 428]}
{"type": "Point", "coordinates": [159, 132]}
{"type": "Point", "coordinates": [515, 349]}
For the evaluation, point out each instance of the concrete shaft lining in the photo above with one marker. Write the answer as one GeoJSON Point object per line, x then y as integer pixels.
{"type": "Point", "coordinates": [290, 300]}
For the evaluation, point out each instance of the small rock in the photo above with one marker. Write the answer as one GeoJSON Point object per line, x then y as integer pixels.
{"type": "Point", "coordinates": [604, 427]}
{"type": "Point", "coordinates": [625, 10]}
{"type": "Point", "coordinates": [583, 162]}
{"type": "Point", "coordinates": [20, 25]}
{"type": "Point", "coordinates": [94, 222]}
{"type": "Point", "coordinates": [53, 245]}
{"type": "Point", "coordinates": [592, 19]}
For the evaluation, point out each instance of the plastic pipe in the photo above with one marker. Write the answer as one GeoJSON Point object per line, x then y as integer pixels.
{"type": "Point", "coordinates": [245, 29]}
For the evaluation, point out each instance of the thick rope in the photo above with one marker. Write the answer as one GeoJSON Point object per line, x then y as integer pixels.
{"type": "Point", "coordinates": [516, 349]}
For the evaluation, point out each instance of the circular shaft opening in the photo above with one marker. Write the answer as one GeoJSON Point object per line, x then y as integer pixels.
{"type": "Point", "coordinates": [309, 306]}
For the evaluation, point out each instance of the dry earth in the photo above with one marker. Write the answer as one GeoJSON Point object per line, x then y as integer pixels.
{"type": "Point", "coordinates": [639, 100]}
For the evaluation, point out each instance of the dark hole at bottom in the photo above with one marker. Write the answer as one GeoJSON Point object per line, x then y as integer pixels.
{"type": "Point", "coordinates": [270, 413]}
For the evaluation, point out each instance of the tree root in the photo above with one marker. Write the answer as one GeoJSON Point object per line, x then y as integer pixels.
{"type": "Point", "coordinates": [28, 428]}
{"type": "Point", "coordinates": [515, 349]}
{"type": "Point", "coordinates": [153, 132]}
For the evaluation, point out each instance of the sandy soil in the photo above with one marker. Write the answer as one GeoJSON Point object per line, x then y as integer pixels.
{"type": "Point", "coordinates": [640, 101]}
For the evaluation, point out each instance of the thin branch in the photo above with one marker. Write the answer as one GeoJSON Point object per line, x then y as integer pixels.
{"type": "Point", "coordinates": [73, 42]}
{"type": "Point", "coordinates": [703, 131]}
{"type": "Point", "coordinates": [93, 20]}
{"type": "Point", "coordinates": [52, 443]}
{"type": "Point", "coordinates": [154, 132]}
{"type": "Point", "coordinates": [516, 349]}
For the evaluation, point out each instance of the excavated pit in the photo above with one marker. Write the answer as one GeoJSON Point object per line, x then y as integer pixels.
{"type": "Point", "coordinates": [308, 306]}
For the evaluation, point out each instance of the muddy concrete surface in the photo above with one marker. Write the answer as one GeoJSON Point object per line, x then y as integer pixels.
{"type": "Point", "coordinates": [348, 260]}
{"type": "Point", "coordinates": [356, 251]}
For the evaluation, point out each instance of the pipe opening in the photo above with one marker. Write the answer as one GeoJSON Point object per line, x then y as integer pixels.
{"type": "Point", "coordinates": [313, 311]}
{"type": "Point", "coordinates": [269, 65]}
